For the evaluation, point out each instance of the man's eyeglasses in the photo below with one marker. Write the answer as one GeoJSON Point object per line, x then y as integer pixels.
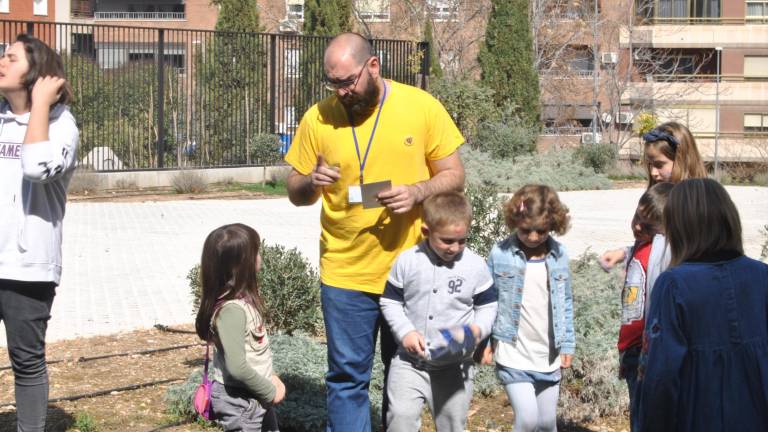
{"type": "Point", "coordinates": [348, 84]}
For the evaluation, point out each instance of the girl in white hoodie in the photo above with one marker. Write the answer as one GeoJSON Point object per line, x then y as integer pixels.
{"type": "Point", "coordinates": [38, 140]}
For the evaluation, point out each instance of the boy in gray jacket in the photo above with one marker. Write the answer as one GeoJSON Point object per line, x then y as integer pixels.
{"type": "Point", "coordinates": [439, 302]}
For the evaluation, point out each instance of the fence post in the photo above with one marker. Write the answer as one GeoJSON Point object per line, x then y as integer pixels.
{"type": "Point", "coordinates": [427, 50]}
{"type": "Point", "coordinates": [160, 98]}
{"type": "Point", "coordinates": [31, 28]}
{"type": "Point", "coordinates": [272, 83]}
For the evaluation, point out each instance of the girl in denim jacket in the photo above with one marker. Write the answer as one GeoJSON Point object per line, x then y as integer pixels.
{"type": "Point", "coordinates": [533, 334]}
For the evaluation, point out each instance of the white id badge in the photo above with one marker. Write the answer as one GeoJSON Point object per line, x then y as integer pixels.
{"type": "Point", "coordinates": [355, 195]}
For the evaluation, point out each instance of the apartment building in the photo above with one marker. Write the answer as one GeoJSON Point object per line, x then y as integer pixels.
{"type": "Point", "coordinates": [27, 10]}
{"type": "Point", "coordinates": [701, 62]}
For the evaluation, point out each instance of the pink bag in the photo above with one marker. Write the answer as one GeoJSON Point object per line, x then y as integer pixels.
{"type": "Point", "coordinates": [202, 398]}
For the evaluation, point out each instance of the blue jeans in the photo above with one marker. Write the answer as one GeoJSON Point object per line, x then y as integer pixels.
{"type": "Point", "coordinates": [352, 322]}
{"type": "Point", "coordinates": [629, 362]}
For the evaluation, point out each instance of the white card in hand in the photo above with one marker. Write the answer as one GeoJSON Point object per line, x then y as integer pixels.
{"type": "Point", "coordinates": [355, 195]}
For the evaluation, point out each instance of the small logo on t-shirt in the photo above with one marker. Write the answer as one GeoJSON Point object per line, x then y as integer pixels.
{"type": "Point", "coordinates": [408, 140]}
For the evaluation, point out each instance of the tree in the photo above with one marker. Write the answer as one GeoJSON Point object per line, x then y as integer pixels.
{"type": "Point", "coordinates": [435, 71]}
{"type": "Point", "coordinates": [232, 72]}
{"type": "Point", "coordinates": [237, 16]}
{"type": "Point", "coordinates": [327, 17]}
{"type": "Point", "coordinates": [321, 18]}
{"type": "Point", "coordinates": [506, 59]}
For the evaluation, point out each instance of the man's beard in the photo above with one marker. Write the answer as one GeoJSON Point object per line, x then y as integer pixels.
{"type": "Point", "coordinates": [360, 107]}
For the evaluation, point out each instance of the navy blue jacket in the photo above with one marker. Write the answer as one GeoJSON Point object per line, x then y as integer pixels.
{"type": "Point", "coordinates": [706, 365]}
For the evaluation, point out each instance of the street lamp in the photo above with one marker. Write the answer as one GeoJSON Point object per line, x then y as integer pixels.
{"type": "Point", "coordinates": [717, 114]}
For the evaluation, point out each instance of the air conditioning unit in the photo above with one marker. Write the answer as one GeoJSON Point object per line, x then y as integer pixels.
{"type": "Point", "coordinates": [587, 138]}
{"type": "Point", "coordinates": [609, 58]}
{"type": "Point", "coordinates": [288, 26]}
{"type": "Point", "coordinates": [625, 117]}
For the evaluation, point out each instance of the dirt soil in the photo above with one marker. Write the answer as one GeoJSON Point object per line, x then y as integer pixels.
{"type": "Point", "coordinates": [142, 409]}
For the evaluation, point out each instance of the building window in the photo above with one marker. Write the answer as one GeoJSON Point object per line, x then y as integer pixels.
{"type": "Point", "coordinates": [4, 6]}
{"type": "Point", "coordinates": [757, 122]}
{"type": "Point", "coordinates": [40, 7]}
{"type": "Point", "coordinates": [757, 11]}
{"type": "Point", "coordinates": [581, 61]}
{"type": "Point", "coordinates": [373, 10]}
{"type": "Point", "coordinates": [291, 66]}
{"type": "Point", "coordinates": [443, 10]}
{"type": "Point", "coordinates": [294, 9]}
{"type": "Point", "coordinates": [678, 9]}
{"type": "Point", "coordinates": [756, 67]}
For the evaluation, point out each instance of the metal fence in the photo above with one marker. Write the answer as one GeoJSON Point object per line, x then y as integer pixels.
{"type": "Point", "coordinates": [154, 98]}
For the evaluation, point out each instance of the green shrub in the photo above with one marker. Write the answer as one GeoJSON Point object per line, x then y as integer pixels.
{"type": "Point", "coordinates": [591, 387]}
{"type": "Point", "coordinates": [599, 157]}
{"type": "Point", "coordinates": [488, 219]}
{"type": "Point", "coordinates": [505, 139]}
{"type": "Point", "coordinates": [301, 364]}
{"type": "Point", "coordinates": [189, 181]}
{"type": "Point", "coordinates": [486, 383]}
{"type": "Point", "coordinates": [626, 170]}
{"type": "Point", "coordinates": [289, 286]}
{"type": "Point", "coordinates": [85, 422]}
{"type": "Point", "coordinates": [644, 122]}
{"type": "Point", "coordinates": [467, 101]}
{"type": "Point", "coordinates": [265, 149]}
{"type": "Point", "coordinates": [556, 169]}
{"type": "Point", "coordinates": [178, 398]}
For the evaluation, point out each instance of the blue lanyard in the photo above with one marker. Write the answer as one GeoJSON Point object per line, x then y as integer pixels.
{"type": "Point", "coordinates": [373, 132]}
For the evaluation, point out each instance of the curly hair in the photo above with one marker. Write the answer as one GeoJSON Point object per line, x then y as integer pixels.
{"type": "Point", "coordinates": [537, 203]}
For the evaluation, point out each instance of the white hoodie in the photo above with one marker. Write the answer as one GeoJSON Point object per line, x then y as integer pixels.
{"type": "Point", "coordinates": [33, 194]}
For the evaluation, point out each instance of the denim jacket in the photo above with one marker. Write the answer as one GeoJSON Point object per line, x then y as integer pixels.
{"type": "Point", "coordinates": [507, 264]}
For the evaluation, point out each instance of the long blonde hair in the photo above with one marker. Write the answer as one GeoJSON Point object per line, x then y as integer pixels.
{"type": "Point", "coordinates": [681, 149]}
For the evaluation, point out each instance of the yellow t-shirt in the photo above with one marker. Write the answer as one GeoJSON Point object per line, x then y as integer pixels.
{"type": "Point", "coordinates": [358, 246]}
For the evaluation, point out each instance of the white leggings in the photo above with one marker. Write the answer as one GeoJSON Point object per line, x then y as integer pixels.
{"type": "Point", "coordinates": [535, 406]}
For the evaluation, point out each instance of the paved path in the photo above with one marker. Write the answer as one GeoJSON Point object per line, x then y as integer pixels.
{"type": "Point", "coordinates": [126, 263]}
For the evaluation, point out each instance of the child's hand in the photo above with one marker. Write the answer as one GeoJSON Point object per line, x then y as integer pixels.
{"type": "Point", "coordinates": [46, 90]}
{"type": "Point", "coordinates": [487, 357]}
{"type": "Point", "coordinates": [413, 342]}
{"type": "Point", "coordinates": [279, 390]}
{"type": "Point", "coordinates": [611, 258]}
{"type": "Point", "coordinates": [475, 332]}
{"type": "Point", "coordinates": [565, 360]}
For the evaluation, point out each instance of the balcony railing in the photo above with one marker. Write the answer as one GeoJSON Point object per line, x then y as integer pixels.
{"type": "Point", "coordinates": [695, 20]}
{"type": "Point", "coordinates": [565, 130]}
{"type": "Point", "coordinates": [147, 16]}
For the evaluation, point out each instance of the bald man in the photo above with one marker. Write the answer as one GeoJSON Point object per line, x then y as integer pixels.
{"type": "Point", "coordinates": [373, 150]}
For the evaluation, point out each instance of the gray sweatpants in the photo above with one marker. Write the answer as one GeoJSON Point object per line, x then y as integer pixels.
{"type": "Point", "coordinates": [25, 308]}
{"type": "Point", "coordinates": [447, 392]}
{"type": "Point", "coordinates": [236, 411]}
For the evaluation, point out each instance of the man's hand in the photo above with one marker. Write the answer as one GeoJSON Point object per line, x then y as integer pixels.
{"type": "Point", "coordinates": [565, 360]}
{"type": "Point", "coordinates": [609, 259]}
{"type": "Point", "coordinates": [401, 198]}
{"type": "Point", "coordinates": [324, 174]}
{"type": "Point", "coordinates": [279, 390]}
{"type": "Point", "coordinates": [413, 342]}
